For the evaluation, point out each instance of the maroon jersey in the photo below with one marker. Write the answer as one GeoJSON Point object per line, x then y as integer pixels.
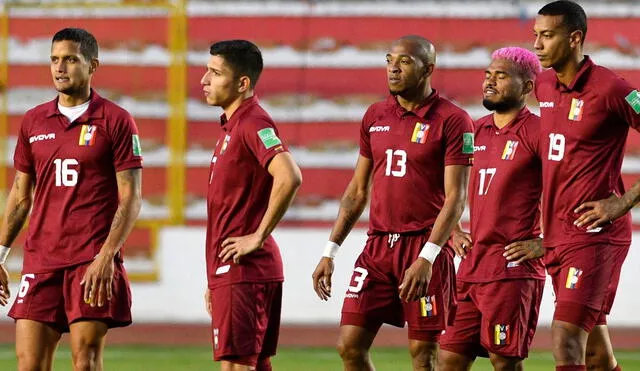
{"type": "Point", "coordinates": [74, 166]}
{"type": "Point", "coordinates": [584, 128]}
{"type": "Point", "coordinates": [409, 151]}
{"type": "Point", "coordinates": [504, 198]}
{"type": "Point", "coordinates": [238, 195]}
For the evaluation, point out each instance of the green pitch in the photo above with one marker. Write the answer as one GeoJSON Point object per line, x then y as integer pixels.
{"type": "Point", "coordinates": [137, 358]}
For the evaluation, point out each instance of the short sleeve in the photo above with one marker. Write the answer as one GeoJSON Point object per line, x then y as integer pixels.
{"type": "Point", "coordinates": [22, 157]}
{"type": "Point", "coordinates": [365, 136]}
{"type": "Point", "coordinates": [624, 101]}
{"type": "Point", "coordinates": [458, 136]}
{"type": "Point", "coordinates": [263, 139]}
{"type": "Point", "coordinates": [127, 151]}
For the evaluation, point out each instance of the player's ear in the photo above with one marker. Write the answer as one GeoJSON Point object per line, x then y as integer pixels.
{"type": "Point", "coordinates": [428, 70]}
{"type": "Point", "coordinates": [94, 65]}
{"type": "Point", "coordinates": [527, 87]}
{"type": "Point", "coordinates": [244, 84]}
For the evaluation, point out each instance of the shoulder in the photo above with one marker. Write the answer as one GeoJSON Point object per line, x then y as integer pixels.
{"type": "Point", "coordinates": [545, 81]}
{"type": "Point", "coordinates": [39, 111]}
{"type": "Point", "coordinates": [254, 118]}
{"type": "Point", "coordinates": [482, 121]}
{"type": "Point", "coordinates": [378, 110]}
{"type": "Point", "coordinates": [114, 112]}
{"type": "Point", "coordinates": [607, 83]}
{"type": "Point", "coordinates": [448, 110]}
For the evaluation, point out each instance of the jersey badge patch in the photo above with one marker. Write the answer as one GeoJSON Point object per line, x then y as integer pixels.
{"type": "Point", "coordinates": [428, 306]}
{"type": "Point", "coordinates": [573, 277]}
{"type": "Point", "coordinates": [509, 151]}
{"type": "Point", "coordinates": [634, 101]}
{"type": "Point", "coordinates": [577, 107]}
{"type": "Point", "coordinates": [467, 143]}
{"type": "Point", "coordinates": [87, 135]}
{"type": "Point", "coordinates": [268, 137]}
{"type": "Point", "coordinates": [420, 133]}
{"type": "Point", "coordinates": [501, 334]}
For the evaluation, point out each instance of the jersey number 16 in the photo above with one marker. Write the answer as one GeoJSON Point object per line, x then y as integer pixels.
{"type": "Point", "coordinates": [66, 175]}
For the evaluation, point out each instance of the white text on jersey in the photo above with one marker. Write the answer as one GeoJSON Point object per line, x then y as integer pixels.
{"type": "Point", "coordinates": [479, 148]}
{"type": "Point", "coordinates": [39, 137]}
{"type": "Point", "coordinates": [546, 104]}
{"type": "Point", "coordinates": [379, 128]}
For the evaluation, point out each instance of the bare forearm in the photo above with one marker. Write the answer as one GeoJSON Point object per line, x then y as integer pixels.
{"type": "Point", "coordinates": [447, 220]}
{"type": "Point", "coordinates": [282, 194]}
{"type": "Point", "coordinates": [16, 212]}
{"type": "Point", "coordinates": [123, 222]}
{"type": "Point", "coordinates": [351, 207]}
{"type": "Point", "coordinates": [632, 196]}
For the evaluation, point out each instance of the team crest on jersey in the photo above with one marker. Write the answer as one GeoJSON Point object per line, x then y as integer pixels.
{"type": "Point", "coordinates": [420, 133]}
{"type": "Point", "coordinates": [87, 135]}
{"type": "Point", "coordinates": [501, 334]}
{"type": "Point", "coordinates": [577, 107]}
{"type": "Point", "coordinates": [428, 306]}
{"type": "Point", "coordinates": [509, 151]}
{"type": "Point", "coordinates": [573, 278]}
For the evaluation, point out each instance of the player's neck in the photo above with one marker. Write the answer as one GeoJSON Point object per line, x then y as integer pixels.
{"type": "Point", "coordinates": [73, 100]}
{"type": "Point", "coordinates": [568, 71]}
{"type": "Point", "coordinates": [236, 103]}
{"type": "Point", "coordinates": [412, 103]}
{"type": "Point", "coordinates": [502, 119]}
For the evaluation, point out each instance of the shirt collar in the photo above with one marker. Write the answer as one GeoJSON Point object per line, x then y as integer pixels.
{"type": "Point", "coordinates": [228, 124]}
{"type": "Point", "coordinates": [95, 110]}
{"type": "Point", "coordinates": [580, 77]}
{"type": "Point", "coordinates": [421, 111]}
{"type": "Point", "coordinates": [511, 126]}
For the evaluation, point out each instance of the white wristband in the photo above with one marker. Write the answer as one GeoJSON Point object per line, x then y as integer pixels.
{"type": "Point", "coordinates": [4, 252]}
{"type": "Point", "coordinates": [330, 249]}
{"type": "Point", "coordinates": [430, 251]}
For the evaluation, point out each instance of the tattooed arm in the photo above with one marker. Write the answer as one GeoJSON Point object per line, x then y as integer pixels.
{"type": "Point", "coordinates": [18, 206]}
{"type": "Point", "coordinates": [352, 205]}
{"type": "Point", "coordinates": [98, 278]}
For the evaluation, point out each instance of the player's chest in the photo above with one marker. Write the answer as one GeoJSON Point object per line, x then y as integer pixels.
{"type": "Point", "coordinates": [81, 142]}
{"type": "Point", "coordinates": [417, 138]}
{"type": "Point", "coordinates": [576, 115]}
{"type": "Point", "coordinates": [504, 151]}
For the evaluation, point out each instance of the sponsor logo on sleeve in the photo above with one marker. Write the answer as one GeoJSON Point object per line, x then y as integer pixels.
{"type": "Point", "coordinates": [501, 334]}
{"type": "Point", "coordinates": [577, 107]}
{"type": "Point", "coordinates": [420, 133]}
{"type": "Point", "coordinates": [633, 99]}
{"type": "Point", "coordinates": [467, 143]}
{"type": "Point", "coordinates": [87, 135]}
{"type": "Point", "coordinates": [268, 137]}
{"type": "Point", "coordinates": [137, 149]}
{"type": "Point", "coordinates": [509, 151]}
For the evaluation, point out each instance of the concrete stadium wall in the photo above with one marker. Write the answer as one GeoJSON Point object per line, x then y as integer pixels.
{"type": "Point", "coordinates": [177, 296]}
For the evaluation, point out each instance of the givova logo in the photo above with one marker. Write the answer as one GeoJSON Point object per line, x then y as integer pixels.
{"type": "Point", "coordinates": [39, 137]}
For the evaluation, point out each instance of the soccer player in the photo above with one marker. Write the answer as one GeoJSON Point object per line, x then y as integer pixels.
{"type": "Point", "coordinates": [78, 163]}
{"type": "Point", "coordinates": [498, 299]}
{"type": "Point", "coordinates": [586, 111]}
{"type": "Point", "coordinates": [415, 152]}
{"type": "Point", "coordinates": [252, 182]}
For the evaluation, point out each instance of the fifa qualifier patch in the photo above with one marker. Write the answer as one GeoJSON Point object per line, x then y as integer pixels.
{"type": "Point", "coordinates": [633, 99]}
{"type": "Point", "coordinates": [137, 149]}
{"type": "Point", "coordinates": [467, 143]}
{"type": "Point", "coordinates": [268, 137]}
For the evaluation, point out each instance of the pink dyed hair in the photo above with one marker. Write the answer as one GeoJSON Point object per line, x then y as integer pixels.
{"type": "Point", "coordinates": [526, 62]}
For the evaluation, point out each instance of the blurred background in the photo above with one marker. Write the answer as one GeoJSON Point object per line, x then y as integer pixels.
{"type": "Point", "coordinates": [324, 64]}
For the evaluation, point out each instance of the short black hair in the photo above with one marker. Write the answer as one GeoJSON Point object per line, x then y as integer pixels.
{"type": "Point", "coordinates": [573, 16]}
{"type": "Point", "coordinates": [88, 43]}
{"type": "Point", "coordinates": [243, 56]}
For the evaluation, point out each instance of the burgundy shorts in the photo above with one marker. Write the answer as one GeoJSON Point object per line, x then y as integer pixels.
{"type": "Point", "coordinates": [498, 317]}
{"type": "Point", "coordinates": [373, 295]}
{"type": "Point", "coordinates": [246, 321]}
{"type": "Point", "coordinates": [585, 280]}
{"type": "Point", "coordinates": [57, 299]}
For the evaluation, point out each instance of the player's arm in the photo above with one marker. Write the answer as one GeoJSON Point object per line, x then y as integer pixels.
{"type": "Point", "coordinates": [98, 277]}
{"type": "Point", "coordinates": [461, 241]}
{"type": "Point", "coordinates": [287, 178]}
{"type": "Point", "coordinates": [416, 278]}
{"type": "Point", "coordinates": [16, 211]}
{"type": "Point", "coordinates": [352, 204]}
{"type": "Point", "coordinates": [520, 251]}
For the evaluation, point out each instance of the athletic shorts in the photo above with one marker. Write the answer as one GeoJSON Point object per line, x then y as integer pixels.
{"type": "Point", "coordinates": [585, 280]}
{"type": "Point", "coordinates": [246, 321]}
{"type": "Point", "coordinates": [373, 295]}
{"type": "Point", "coordinates": [499, 317]}
{"type": "Point", "coordinates": [57, 299]}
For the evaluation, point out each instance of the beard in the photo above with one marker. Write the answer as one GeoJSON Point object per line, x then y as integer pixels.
{"type": "Point", "coordinates": [503, 105]}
